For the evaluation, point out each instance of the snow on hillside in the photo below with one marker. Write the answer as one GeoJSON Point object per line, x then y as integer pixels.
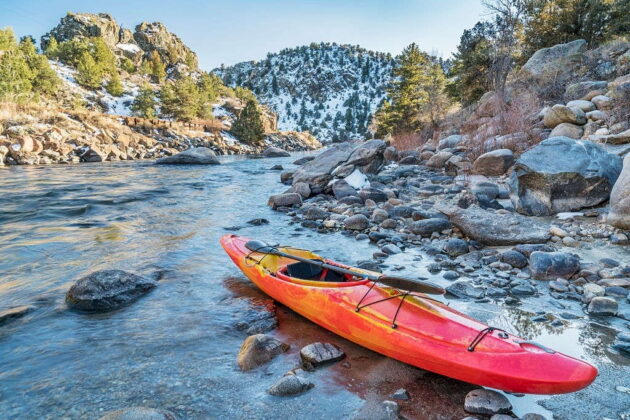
{"type": "Point", "coordinates": [328, 89]}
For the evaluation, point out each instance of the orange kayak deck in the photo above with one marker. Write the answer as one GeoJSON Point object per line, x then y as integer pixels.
{"type": "Point", "coordinates": [413, 329]}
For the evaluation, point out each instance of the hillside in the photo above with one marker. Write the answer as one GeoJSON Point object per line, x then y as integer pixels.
{"type": "Point", "coordinates": [330, 90]}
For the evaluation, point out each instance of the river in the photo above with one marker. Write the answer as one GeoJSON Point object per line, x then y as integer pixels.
{"type": "Point", "coordinates": [176, 347]}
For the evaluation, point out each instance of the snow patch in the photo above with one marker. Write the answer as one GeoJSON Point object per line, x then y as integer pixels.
{"type": "Point", "coordinates": [568, 215]}
{"type": "Point", "coordinates": [132, 48]}
{"type": "Point", "coordinates": [357, 180]}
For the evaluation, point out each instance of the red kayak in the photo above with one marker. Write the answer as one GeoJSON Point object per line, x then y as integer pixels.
{"type": "Point", "coordinates": [414, 329]}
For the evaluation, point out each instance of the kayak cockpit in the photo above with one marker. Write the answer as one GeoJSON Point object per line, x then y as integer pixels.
{"type": "Point", "coordinates": [308, 274]}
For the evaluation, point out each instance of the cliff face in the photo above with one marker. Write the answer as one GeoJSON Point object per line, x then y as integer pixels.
{"type": "Point", "coordinates": [146, 38]}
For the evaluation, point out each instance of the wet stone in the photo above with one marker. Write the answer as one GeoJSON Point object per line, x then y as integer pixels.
{"type": "Point", "coordinates": [259, 349]}
{"type": "Point", "coordinates": [391, 249]}
{"type": "Point", "coordinates": [258, 222]}
{"type": "Point", "coordinates": [317, 354]}
{"type": "Point", "coordinates": [12, 314]}
{"type": "Point", "coordinates": [487, 402]}
{"type": "Point", "coordinates": [514, 258]}
{"type": "Point", "coordinates": [107, 290]}
{"type": "Point", "coordinates": [400, 394]}
{"type": "Point", "coordinates": [259, 316]}
{"type": "Point", "coordinates": [523, 289]}
{"type": "Point", "coordinates": [603, 306]}
{"type": "Point", "coordinates": [462, 289]}
{"type": "Point", "coordinates": [455, 247]}
{"type": "Point", "coordinates": [290, 384]}
{"type": "Point", "coordinates": [451, 275]}
{"type": "Point", "coordinates": [533, 416]}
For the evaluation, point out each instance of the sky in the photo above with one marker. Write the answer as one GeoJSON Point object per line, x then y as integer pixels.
{"type": "Point", "coordinates": [231, 31]}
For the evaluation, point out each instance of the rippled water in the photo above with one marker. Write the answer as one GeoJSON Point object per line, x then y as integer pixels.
{"type": "Point", "coordinates": [176, 347]}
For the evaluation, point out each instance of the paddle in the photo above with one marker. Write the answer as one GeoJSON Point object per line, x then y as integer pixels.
{"type": "Point", "coordinates": [395, 282]}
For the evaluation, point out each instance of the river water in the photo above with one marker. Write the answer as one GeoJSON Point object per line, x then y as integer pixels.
{"type": "Point", "coordinates": [176, 347]}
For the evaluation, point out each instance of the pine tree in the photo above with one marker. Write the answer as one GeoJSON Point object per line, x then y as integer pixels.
{"type": "Point", "coordinates": [157, 69]}
{"type": "Point", "coordinates": [89, 73]}
{"type": "Point", "coordinates": [52, 48]}
{"type": "Point", "coordinates": [248, 126]}
{"type": "Point", "coordinates": [144, 103]}
{"type": "Point", "coordinates": [114, 85]}
{"type": "Point", "coordinates": [181, 100]}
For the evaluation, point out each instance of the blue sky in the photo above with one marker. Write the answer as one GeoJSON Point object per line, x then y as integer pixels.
{"type": "Point", "coordinates": [230, 31]}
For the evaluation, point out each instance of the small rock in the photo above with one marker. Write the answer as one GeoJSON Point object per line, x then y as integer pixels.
{"type": "Point", "coordinates": [284, 200]}
{"type": "Point", "coordinates": [276, 168]}
{"type": "Point", "coordinates": [428, 226]}
{"type": "Point", "coordinates": [455, 247]}
{"type": "Point", "coordinates": [391, 249]}
{"type": "Point", "coordinates": [463, 289]}
{"type": "Point", "coordinates": [392, 410]}
{"type": "Point", "coordinates": [194, 156]}
{"type": "Point", "coordinates": [401, 394]}
{"type": "Point", "coordinates": [318, 354]}
{"type": "Point", "coordinates": [450, 275]}
{"type": "Point", "coordinates": [551, 265]}
{"type": "Point", "coordinates": [603, 306]}
{"type": "Point", "coordinates": [290, 385]}
{"type": "Point", "coordinates": [533, 416]}
{"type": "Point", "coordinates": [16, 312]}
{"type": "Point", "coordinates": [592, 290]}
{"type": "Point", "coordinates": [487, 402]}
{"type": "Point", "coordinates": [259, 349]}
{"type": "Point", "coordinates": [514, 258]}
{"type": "Point", "coordinates": [258, 222]}
{"type": "Point", "coordinates": [357, 222]}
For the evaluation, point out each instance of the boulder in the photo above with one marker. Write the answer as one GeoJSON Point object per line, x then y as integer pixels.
{"type": "Point", "coordinates": [603, 306]}
{"type": "Point", "coordinates": [427, 227]}
{"type": "Point", "coordinates": [138, 413]}
{"type": "Point", "coordinates": [492, 228]}
{"type": "Point", "coordinates": [451, 141]}
{"type": "Point", "coordinates": [193, 156]}
{"type": "Point", "coordinates": [301, 188]}
{"type": "Point", "coordinates": [357, 222]}
{"type": "Point", "coordinates": [286, 177]}
{"type": "Point", "coordinates": [553, 59]}
{"type": "Point", "coordinates": [514, 258]}
{"type": "Point", "coordinates": [318, 354]}
{"type": "Point", "coordinates": [619, 215]}
{"type": "Point", "coordinates": [290, 384]}
{"type": "Point", "coordinates": [559, 114]}
{"type": "Point", "coordinates": [391, 154]}
{"type": "Point", "coordinates": [552, 265]}
{"type": "Point", "coordinates": [560, 175]}
{"type": "Point", "coordinates": [107, 290]}
{"type": "Point", "coordinates": [455, 247]}
{"type": "Point", "coordinates": [90, 154]}
{"type": "Point", "coordinates": [284, 200]}
{"type": "Point", "coordinates": [368, 156]}
{"type": "Point", "coordinates": [317, 173]}
{"type": "Point", "coordinates": [486, 402]}
{"type": "Point", "coordinates": [584, 90]}
{"type": "Point", "coordinates": [494, 163]}
{"type": "Point", "coordinates": [586, 106]}
{"type": "Point", "coordinates": [259, 349]}
{"type": "Point", "coordinates": [569, 130]}
{"type": "Point", "coordinates": [602, 102]}
{"type": "Point", "coordinates": [439, 159]}
{"type": "Point", "coordinates": [275, 152]}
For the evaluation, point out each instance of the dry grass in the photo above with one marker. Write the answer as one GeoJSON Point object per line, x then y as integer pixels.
{"type": "Point", "coordinates": [408, 140]}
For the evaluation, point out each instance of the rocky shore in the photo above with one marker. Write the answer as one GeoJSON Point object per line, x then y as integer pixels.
{"type": "Point", "coordinates": [34, 135]}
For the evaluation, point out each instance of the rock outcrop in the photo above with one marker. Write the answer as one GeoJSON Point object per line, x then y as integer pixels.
{"type": "Point", "coordinates": [561, 174]}
{"type": "Point", "coordinates": [619, 215]}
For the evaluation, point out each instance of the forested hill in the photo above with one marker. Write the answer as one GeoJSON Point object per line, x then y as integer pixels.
{"type": "Point", "coordinates": [330, 90]}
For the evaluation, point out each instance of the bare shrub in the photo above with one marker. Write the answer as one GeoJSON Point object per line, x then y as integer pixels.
{"type": "Point", "coordinates": [408, 140]}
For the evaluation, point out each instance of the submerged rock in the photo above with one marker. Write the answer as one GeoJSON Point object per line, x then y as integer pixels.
{"type": "Point", "coordinates": [14, 313]}
{"type": "Point", "coordinates": [487, 402]}
{"type": "Point", "coordinates": [139, 413]}
{"type": "Point", "coordinates": [492, 228]}
{"type": "Point", "coordinates": [462, 289]}
{"type": "Point", "coordinates": [193, 156]}
{"type": "Point", "coordinates": [107, 290]}
{"type": "Point", "coordinates": [259, 349]}
{"type": "Point", "coordinates": [561, 174]}
{"type": "Point", "coordinates": [318, 354]}
{"type": "Point", "coordinates": [259, 316]}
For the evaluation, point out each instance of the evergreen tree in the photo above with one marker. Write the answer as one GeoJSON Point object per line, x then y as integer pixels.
{"type": "Point", "coordinates": [181, 100]}
{"type": "Point", "coordinates": [144, 103]}
{"type": "Point", "coordinates": [248, 126]}
{"type": "Point", "coordinates": [89, 73]}
{"type": "Point", "coordinates": [156, 66]}
{"type": "Point", "coordinates": [52, 48]}
{"type": "Point", "coordinates": [114, 85]}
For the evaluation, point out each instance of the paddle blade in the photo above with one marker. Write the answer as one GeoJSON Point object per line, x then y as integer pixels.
{"type": "Point", "coordinates": [412, 285]}
{"type": "Point", "coordinates": [260, 246]}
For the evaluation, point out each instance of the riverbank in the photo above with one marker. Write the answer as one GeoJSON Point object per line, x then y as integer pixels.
{"type": "Point", "coordinates": [40, 135]}
{"type": "Point", "coordinates": [175, 349]}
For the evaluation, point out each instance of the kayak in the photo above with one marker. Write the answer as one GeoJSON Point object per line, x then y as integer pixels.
{"type": "Point", "coordinates": [412, 328]}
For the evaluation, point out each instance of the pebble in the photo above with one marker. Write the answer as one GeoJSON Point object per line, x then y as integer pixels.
{"type": "Point", "coordinates": [318, 354]}
{"type": "Point", "coordinates": [401, 394]}
{"type": "Point", "coordinates": [450, 275]}
{"type": "Point", "coordinates": [290, 384]}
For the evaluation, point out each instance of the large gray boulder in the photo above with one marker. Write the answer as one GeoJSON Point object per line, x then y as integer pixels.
{"type": "Point", "coordinates": [107, 290]}
{"type": "Point", "coordinates": [548, 60]}
{"type": "Point", "coordinates": [551, 265]}
{"type": "Point", "coordinates": [619, 215]}
{"type": "Point", "coordinates": [559, 114]}
{"type": "Point", "coordinates": [317, 173]}
{"type": "Point", "coordinates": [368, 157]}
{"type": "Point", "coordinates": [451, 141]}
{"type": "Point", "coordinates": [561, 174]}
{"type": "Point", "coordinates": [494, 163]}
{"type": "Point", "coordinates": [193, 156]}
{"type": "Point", "coordinates": [492, 228]}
